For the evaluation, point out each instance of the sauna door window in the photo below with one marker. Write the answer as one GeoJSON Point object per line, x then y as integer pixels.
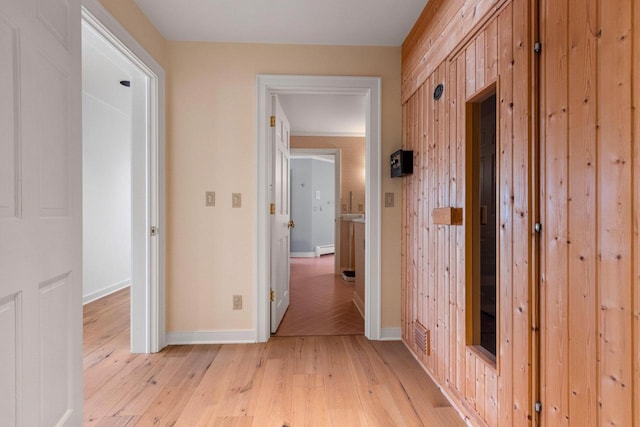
{"type": "Point", "coordinates": [483, 188]}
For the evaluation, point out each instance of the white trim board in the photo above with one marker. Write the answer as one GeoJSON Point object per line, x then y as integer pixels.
{"type": "Point", "coordinates": [302, 255]}
{"type": "Point", "coordinates": [370, 87]}
{"type": "Point", "coordinates": [210, 337]}
{"type": "Point", "coordinates": [86, 299]}
{"type": "Point", "coordinates": [391, 334]}
{"type": "Point", "coordinates": [148, 275]}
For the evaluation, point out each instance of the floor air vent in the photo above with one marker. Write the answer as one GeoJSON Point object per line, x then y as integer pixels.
{"type": "Point", "coordinates": [421, 338]}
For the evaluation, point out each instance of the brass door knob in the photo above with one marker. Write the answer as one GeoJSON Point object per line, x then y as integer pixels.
{"type": "Point", "coordinates": [292, 224]}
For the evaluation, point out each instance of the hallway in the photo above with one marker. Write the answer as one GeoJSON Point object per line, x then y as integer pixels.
{"type": "Point", "coordinates": [297, 382]}
{"type": "Point", "coordinates": [321, 303]}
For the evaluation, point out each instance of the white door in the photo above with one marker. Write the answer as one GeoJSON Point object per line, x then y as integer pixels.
{"type": "Point", "coordinates": [40, 213]}
{"type": "Point", "coordinates": [280, 224]}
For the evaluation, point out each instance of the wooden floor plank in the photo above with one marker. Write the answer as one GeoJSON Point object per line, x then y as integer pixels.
{"type": "Point", "coordinates": [289, 381]}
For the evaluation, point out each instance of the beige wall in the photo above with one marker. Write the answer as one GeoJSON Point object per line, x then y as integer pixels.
{"type": "Point", "coordinates": [138, 25]}
{"type": "Point", "coordinates": [212, 146]}
{"type": "Point", "coordinates": [352, 164]}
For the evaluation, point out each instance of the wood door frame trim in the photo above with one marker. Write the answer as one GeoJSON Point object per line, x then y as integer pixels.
{"type": "Point", "coordinates": [370, 87]}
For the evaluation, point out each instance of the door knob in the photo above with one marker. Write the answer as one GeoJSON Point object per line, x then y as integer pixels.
{"type": "Point", "coordinates": [292, 224]}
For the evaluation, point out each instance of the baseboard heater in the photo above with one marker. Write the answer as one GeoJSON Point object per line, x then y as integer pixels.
{"type": "Point", "coordinates": [325, 249]}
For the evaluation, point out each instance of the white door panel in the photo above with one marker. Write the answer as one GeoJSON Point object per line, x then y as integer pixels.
{"type": "Point", "coordinates": [280, 220]}
{"type": "Point", "coordinates": [40, 215]}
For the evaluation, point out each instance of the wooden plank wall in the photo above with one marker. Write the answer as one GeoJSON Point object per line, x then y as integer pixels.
{"type": "Point", "coordinates": [591, 213]}
{"type": "Point", "coordinates": [497, 51]}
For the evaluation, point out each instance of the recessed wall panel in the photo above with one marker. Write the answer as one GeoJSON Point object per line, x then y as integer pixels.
{"type": "Point", "coordinates": [53, 86]}
{"type": "Point", "coordinates": [10, 339]}
{"type": "Point", "coordinates": [9, 149]}
{"type": "Point", "coordinates": [55, 15]}
{"type": "Point", "coordinates": [56, 353]}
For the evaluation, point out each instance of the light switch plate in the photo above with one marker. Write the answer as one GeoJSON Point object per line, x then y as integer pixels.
{"type": "Point", "coordinates": [389, 201]}
{"type": "Point", "coordinates": [210, 198]}
{"type": "Point", "coordinates": [237, 302]}
{"type": "Point", "coordinates": [236, 200]}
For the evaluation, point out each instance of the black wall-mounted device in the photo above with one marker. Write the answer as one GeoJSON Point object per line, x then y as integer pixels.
{"type": "Point", "coordinates": [401, 163]}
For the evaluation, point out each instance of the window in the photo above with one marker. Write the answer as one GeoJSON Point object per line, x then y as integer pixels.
{"type": "Point", "coordinates": [482, 188]}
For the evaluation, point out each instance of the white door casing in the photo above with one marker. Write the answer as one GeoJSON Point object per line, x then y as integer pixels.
{"type": "Point", "coordinates": [280, 230]}
{"type": "Point", "coordinates": [148, 181]}
{"type": "Point", "coordinates": [370, 87]}
{"type": "Point", "coordinates": [40, 213]}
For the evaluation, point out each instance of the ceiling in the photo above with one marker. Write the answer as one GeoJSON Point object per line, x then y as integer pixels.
{"type": "Point", "coordinates": [325, 115]}
{"type": "Point", "coordinates": [326, 22]}
{"type": "Point", "coordinates": [103, 68]}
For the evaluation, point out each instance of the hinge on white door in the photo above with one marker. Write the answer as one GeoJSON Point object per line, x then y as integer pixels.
{"type": "Point", "coordinates": [154, 231]}
{"type": "Point", "coordinates": [272, 208]}
{"type": "Point", "coordinates": [273, 121]}
{"type": "Point", "coordinates": [272, 296]}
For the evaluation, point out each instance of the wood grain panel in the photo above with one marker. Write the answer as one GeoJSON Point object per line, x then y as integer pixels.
{"type": "Point", "coordinates": [590, 210]}
{"type": "Point", "coordinates": [461, 267]}
{"type": "Point", "coordinates": [636, 217]}
{"type": "Point", "coordinates": [521, 218]}
{"type": "Point", "coordinates": [581, 210]}
{"type": "Point", "coordinates": [451, 96]}
{"type": "Point", "coordinates": [442, 307]}
{"type": "Point", "coordinates": [442, 27]}
{"type": "Point", "coordinates": [506, 194]}
{"type": "Point", "coordinates": [615, 208]}
{"type": "Point", "coordinates": [497, 52]}
{"type": "Point", "coordinates": [555, 388]}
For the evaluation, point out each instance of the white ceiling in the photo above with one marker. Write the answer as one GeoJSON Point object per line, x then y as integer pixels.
{"type": "Point", "coordinates": [325, 115]}
{"type": "Point", "coordinates": [327, 22]}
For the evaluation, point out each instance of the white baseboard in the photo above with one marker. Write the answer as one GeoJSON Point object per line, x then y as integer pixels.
{"type": "Point", "coordinates": [86, 299]}
{"type": "Point", "coordinates": [302, 254]}
{"type": "Point", "coordinates": [390, 334]}
{"type": "Point", "coordinates": [325, 249]}
{"type": "Point", "coordinates": [210, 337]}
{"type": "Point", "coordinates": [357, 301]}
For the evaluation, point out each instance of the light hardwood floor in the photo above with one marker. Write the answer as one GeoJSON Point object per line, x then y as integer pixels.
{"type": "Point", "coordinates": [299, 381]}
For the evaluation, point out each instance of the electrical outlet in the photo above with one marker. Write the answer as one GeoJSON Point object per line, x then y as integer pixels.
{"type": "Point", "coordinates": [237, 302]}
{"type": "Point", "coordinates": [210, 198]}
{"type": "Point", "coordinates": [236, 200]}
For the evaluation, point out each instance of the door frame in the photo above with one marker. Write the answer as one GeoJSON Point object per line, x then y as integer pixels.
{"type": "Point", "coordinates": [336, 153]}
{"type": "Point", "coordinates": [370, 87]}
{"type": "Point", "coordinates": [148, 301]}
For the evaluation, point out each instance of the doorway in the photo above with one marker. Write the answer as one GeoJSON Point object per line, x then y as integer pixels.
{"type": "Point", "coordinates": [145, 176]}
{"type": "Point", "coordinates": [281, 85]}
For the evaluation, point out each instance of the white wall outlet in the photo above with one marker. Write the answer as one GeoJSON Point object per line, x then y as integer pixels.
{"type": "Point", "coordinates": [210, 198]}
{"type": "Point", "coordinates": [236, 200]}
{"type": "Point", "coordinates": [237, 302]}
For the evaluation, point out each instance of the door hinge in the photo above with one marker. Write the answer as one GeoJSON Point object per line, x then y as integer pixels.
{"type": "Point", "coordinates": [538, 227]}
{"type": "Point", "coordinates": [154, 231]}
{"type": "Point", "coordinates": [272, 208]}
{"type": "Point", "coordinates": [272, 296]}
{"type": "Point", "coordinates": [537, 47]}
{"type": "Point", "coordinates": [273, 121]}
{"type": "Point", "coordinates": [538, 407]}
